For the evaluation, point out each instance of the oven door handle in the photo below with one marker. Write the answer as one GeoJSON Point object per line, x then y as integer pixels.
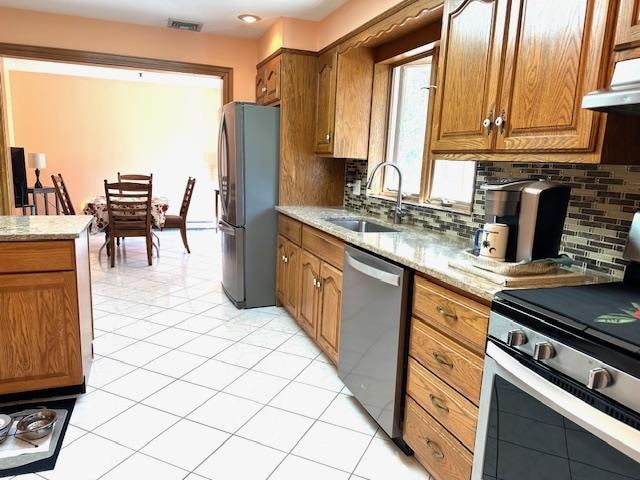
{"type": "Point", "coordinates": [617, 434]}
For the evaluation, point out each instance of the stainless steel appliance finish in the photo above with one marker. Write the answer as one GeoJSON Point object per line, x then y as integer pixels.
{"type": "Point", "coordinates": [248, 156]}
{"type": "Point", "coordinates": [360, 225]}
{"type": "Point", "coordinates": [535, 212]}
{"type": "Point", "coordinates": [565, 415]}
{"type": "Point", "coordinates": [623, 95]}
{"type": "Point", "coordinates": [373, 336]}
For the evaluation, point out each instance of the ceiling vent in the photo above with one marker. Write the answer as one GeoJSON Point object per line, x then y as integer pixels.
{"type": "Point", "coordinates": [183, 25]}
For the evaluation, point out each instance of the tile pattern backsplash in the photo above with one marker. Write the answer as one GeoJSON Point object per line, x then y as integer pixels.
{"type": "Point", "coordinates": [603, 200]}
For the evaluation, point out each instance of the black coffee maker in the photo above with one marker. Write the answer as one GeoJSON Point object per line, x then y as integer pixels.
{"type": "Point", "coordinates": [535, 212]}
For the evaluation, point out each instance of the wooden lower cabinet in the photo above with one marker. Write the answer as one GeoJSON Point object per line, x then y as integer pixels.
{"type": "Point", "coordinates": [40, 341]}
{"type": "Point", "coordinates": [330, 310]}
{"type": "Point", "coordinates": [287, 275]}
{"type": "Point", "coordinates": [446, 345]}
{"type": "Point", "coordinates": [46, 319]}
{"type": "Point", "coordinates": [309, 293]}
{"type": "Point", "coordinates": [440, 452]}
{"type": "Point", "coordinates": [309, 281]}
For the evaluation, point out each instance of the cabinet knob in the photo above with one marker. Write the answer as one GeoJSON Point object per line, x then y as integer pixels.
{"type": "Point", "coordinates": [500, 122]}
{"type": "Point", "coordinates": [487, 123]}
{"type": "Point", "coordinates": [285, 259]}
{"type": "Point", "coordinates": [318, 283]}
{"type": "Point", "coordinates": [327, 137]}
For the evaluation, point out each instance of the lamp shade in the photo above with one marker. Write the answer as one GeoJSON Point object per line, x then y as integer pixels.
{"type": "Point", "coordinates": [37, 160]}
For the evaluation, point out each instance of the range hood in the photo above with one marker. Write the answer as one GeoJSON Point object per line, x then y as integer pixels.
{"type": "Point", "coordinates": [623, 95]}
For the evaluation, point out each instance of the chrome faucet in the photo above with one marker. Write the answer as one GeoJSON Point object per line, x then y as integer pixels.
{"type": "Point", "coordinates": [398, 213]}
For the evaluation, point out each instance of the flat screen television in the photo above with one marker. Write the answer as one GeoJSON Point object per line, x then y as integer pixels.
{"type": "Point", "coordinates": [19, 176]}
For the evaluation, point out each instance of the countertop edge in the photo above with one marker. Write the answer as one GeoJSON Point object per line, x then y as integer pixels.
{"type": "Point", "coordinates": [70, 232]}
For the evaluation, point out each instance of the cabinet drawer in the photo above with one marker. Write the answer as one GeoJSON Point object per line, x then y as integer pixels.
{"type": "Point", "coordinates": [457, 414]}
{"type": "Point", "coordinates": [441, 454]}
{"type": "Point", "coordinates": [324, 246]}
{"type": "Point", "coordinates": [49, 256]}
{"type": "Point", "coordinates": [451, 362]}
{"type": "Point", "coordinates": [290, 228]}
{"type": "Point", "coordinates": [449, 312]}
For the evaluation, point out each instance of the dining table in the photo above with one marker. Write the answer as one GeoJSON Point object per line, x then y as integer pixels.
{"type": "Point", "coordinates": [97, 208]}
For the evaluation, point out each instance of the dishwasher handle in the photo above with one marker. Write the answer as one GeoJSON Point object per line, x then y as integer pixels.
{"type": "Point", "coordinates": [368, 270]}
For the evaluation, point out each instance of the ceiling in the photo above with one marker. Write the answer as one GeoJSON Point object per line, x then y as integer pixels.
{"type": "Point", "coordinates": [218, 16]}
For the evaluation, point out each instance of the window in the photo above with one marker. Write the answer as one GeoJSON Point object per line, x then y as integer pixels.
{"type": "Point", "coordinates": [408, 123]}
{"type": "Point", "coordinates": [404, 131]}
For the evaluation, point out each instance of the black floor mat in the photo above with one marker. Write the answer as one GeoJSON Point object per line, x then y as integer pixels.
{"type": "Point", "coordinates": [47, 463]}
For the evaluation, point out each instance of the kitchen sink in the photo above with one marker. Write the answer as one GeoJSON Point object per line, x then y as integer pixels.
{"type": "Point", "coordinates": [360, 225]}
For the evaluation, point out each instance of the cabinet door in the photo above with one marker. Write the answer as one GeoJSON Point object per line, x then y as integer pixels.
{"type": "Point", "coordinates": [326, 102]}
{"type": "Point", "coordinates": [330, 310]}
{"type": "Point", "coordinates": [272, 81]}
{"type": "Point", "coordinates": [628, 28]}
{"type": "Point", "coordinates": [40, 340]}
{"type": "Point", "coordinates": [555, 54]}
{"type": "Point", "coordinates": [469, 70]}
{"type": "Point", "coordinates": [281, 269]}
{"type": "Point", "coordinates": [292, 279]}
{"type": "Point", "coordinates": [309, 292]}
{"type": "Point", "coordinates": [261, 87]}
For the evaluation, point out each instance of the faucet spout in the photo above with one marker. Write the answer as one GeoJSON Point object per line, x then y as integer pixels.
{"type": "Point", "coordinates": [399, 213]}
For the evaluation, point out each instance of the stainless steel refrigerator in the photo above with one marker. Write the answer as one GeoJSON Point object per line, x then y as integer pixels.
{"type": "Point", "coordinates": [248, 154]}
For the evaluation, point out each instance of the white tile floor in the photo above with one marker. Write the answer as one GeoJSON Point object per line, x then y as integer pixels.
{"type": "Point", "coordinates": [185, 386]}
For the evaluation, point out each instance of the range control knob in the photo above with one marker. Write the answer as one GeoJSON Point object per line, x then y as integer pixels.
{"type": "Point", "coordinates": [599, 378]}
{"type": "Point", "coordinates": [515, 338]}
{"type": "Point", "coordinates": [543, 351]}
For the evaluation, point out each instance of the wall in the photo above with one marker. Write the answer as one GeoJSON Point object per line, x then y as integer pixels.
{"type": "Point", "coordinates": [92, 128]}
{"type": "Point", "coordinates": [63, 31]}
{"type": "Point", "coordinates": [314, 36]}
{"type": "Point", "coordinates": [603, 200]}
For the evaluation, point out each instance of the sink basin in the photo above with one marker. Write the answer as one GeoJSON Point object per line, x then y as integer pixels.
{"type": "Point", "coordinates": [360, 225]}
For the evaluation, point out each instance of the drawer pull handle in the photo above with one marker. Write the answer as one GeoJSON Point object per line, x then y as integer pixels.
{"type": "Point", "coordinates": [442, 361]}
{"type": "Point", "coordinates": [438, 402]}
{"type": "Point", "coordinates": [449, 315]}
{"type": "Point", "coordinates": [435, 450]}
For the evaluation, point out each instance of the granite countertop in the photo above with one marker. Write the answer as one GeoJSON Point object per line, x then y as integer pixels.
{"type": "Point", "coordinates": [42, 227]}
{"type": "Point", "coordinates": [417, 248]}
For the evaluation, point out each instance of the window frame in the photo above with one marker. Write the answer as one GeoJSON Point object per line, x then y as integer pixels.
{"type": "Point", "coordinates": [428, 159]}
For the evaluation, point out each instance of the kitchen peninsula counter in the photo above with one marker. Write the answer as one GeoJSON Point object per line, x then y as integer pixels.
{"type": "Point", "coordinates": [45, 304]}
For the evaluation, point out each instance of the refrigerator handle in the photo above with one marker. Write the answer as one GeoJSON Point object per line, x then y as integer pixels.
{"type": "Point", "coordinates": [223, 164]}
{"type": "Point", "coordinates": [226, 229]}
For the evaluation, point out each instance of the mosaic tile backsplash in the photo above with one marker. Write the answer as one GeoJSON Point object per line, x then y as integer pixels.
{"type": "Point", "coordinates": [603, 201]}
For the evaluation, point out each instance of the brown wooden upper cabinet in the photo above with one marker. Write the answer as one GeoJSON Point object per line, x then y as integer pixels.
{"type": "Point", "coordinates": [268, 82]}
{"type": "Point", "coordinates": [628, 28]}
{"type": "Point", "coordinates": [513, 73]}
{"type": "Point", "coordinates": [343, 108]}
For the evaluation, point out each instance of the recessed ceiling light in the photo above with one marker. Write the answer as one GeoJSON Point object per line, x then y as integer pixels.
{"type": "Point", "coordinates": [248, 18]}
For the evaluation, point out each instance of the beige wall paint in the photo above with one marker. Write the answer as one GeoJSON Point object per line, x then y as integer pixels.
{"type": "Point", "coordinates": [92, 128]}
{"type": "Point", "coordinates": [314, 36]}
{"type": "Point", "coordinates": [63, 31]}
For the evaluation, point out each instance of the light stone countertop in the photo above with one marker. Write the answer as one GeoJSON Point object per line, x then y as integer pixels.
{"type": "Point", "coordinates": [42, 227]}
{"type": "Point", "coordinates": [415, 247]}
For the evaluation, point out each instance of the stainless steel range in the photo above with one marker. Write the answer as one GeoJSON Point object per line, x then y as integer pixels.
{"type": "Point", "coordinates": [561, 387]}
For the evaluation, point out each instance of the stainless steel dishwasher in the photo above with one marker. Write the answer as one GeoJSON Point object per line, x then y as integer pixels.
{"type": "Point", "coordinates": [373, 336]}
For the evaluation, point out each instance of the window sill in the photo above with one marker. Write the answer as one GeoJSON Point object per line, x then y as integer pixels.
{"type": "Point", "coordinates": [459, 209]}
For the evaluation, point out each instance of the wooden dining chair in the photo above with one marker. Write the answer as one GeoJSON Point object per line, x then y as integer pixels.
{"type": "Point", "coordinates": [129, 208]}
{"type": "Point", "coordinates": [63, 195]}
{"type": "Point", "coordinates": [180, 221]}
{"type": "Point", "coordinates": [137, 178]}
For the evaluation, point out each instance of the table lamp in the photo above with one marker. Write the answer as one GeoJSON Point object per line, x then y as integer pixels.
{"type": "Point", "coordinates": [37, 161]}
